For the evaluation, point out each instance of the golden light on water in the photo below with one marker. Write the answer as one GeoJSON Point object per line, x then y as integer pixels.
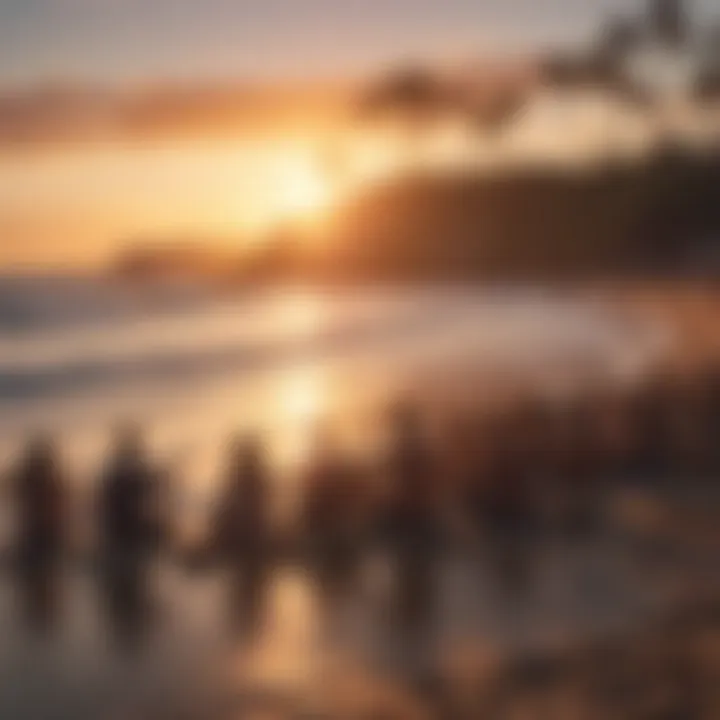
{"type": "Point", "coordinates": [303, 397]}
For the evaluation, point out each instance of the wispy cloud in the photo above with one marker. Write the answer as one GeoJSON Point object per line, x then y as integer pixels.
{"type": "Point", "coordinates": [50, 115]}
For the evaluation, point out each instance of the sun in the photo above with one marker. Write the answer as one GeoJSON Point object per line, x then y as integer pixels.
{"type": "Point", "coordinates": [304, 192]}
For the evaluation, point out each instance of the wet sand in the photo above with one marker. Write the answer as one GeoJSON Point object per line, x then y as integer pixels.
{"type": "Point", "coordinates": [186, 644]}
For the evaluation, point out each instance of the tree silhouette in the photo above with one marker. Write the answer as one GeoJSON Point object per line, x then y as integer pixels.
{"type": "Point", "coordinates": [412, 94]}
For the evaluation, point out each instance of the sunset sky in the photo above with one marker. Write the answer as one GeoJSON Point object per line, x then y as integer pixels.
{"type": "Point", "coordinates": [107, 132]}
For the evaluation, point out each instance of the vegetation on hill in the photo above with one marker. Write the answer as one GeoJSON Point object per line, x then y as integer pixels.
{"type": "Point", "coordinates": [661, 214]}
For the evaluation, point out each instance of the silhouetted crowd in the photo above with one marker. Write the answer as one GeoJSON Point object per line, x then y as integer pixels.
{"type": "Point", "coordinates": [506, 470]}
{"type": "Point", "coordinates": [501, 479]}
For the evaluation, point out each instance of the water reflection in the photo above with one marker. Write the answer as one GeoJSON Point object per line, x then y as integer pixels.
{"type": "Point", "coordinates": [302, 396]}
{"type": "Point", "coordinates": [128, 601]}
{"type": "Point", "coordinates": [247, 596]}
{"type": "Point", "coordinates": [286, 654]}
{"type": "Point", "coordinates": [40, 595]}
{"type": "Point", "coordinates": [412, 624]}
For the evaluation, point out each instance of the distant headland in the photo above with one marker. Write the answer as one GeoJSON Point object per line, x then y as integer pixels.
{"type": "Point", "coordinates": [657, 215]}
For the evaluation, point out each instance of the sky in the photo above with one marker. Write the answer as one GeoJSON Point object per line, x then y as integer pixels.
{"type": "Point", "coordinates": [139, 40]}
{"type": "Point", "coordinates": [182, 162]}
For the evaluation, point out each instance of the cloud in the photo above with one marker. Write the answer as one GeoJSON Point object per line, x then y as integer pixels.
{"type": "Point", "coordinates": [52, 115]}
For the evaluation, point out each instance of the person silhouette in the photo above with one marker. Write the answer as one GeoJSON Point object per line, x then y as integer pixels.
{"type": "Point", "coordinates": [41, 502]}
{"type": "Point", "coordinates": [241, 524]}
{"type": "Point", "coordinates": [40, 595]}
{"type": "Point", "coordinates": [413, 523]}
{"type": "Point", "coordinates": [246, 596]}
{"type": "Point", "coordinates": [508, 519]}
{"type": "Point", "coordinates": [411, 474]}
{"type": "Point", "coordinates": [241, 535]}
{"type": "Point", "coordinates": [127, 599]}
{"type": "Point", "coordinates": [128, 499]}
{"type": "Point", "coordinates": [130, 513]}
{"type": "Point", "coordinates": [412, 538]}
{"type": "Point", "coordinates": [330, 515]}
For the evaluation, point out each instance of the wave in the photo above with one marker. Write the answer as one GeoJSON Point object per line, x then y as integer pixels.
{"type": "Point", "coordinates": [164, 367]}
{"type": "Point", "coordinates": [115, 344]}
{"type": "Point", "coordinates": [91, 335]}
{"type": "Point", "coordinates": [32, 303]}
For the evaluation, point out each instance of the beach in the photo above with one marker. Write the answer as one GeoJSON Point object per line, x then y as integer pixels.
{"type": "Point", "coordinates": [193, 368]}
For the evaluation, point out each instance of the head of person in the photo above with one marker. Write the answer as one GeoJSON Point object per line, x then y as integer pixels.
{"type": "Point", "coordinates": [246, 451]}
{"type": "Point", "coordinates": [128, 442]}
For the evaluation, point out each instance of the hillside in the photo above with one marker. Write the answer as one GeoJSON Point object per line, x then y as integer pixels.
{"type": "Point", "coordinates": [655, 216]}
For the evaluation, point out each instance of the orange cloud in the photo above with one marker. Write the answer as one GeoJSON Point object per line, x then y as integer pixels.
{"type": "Point", "coordinates": [59, 115]}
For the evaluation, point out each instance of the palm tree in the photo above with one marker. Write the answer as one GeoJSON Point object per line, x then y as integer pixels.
{"type": "Point", "coordinates": [414, 93]}
{"type": "Point", "coordinates": [418, 100]}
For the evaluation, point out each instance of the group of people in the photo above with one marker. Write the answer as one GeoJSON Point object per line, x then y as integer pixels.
{"type": "Point", "coordinates": [548, 464]}
{"type": "Point", "coordinates": [504, 474]}
{"type": "Point", "coordinates": [129, 503]}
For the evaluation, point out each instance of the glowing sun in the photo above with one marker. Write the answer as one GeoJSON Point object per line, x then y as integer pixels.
{"type": "Point", "coordinates": [304, 192]}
